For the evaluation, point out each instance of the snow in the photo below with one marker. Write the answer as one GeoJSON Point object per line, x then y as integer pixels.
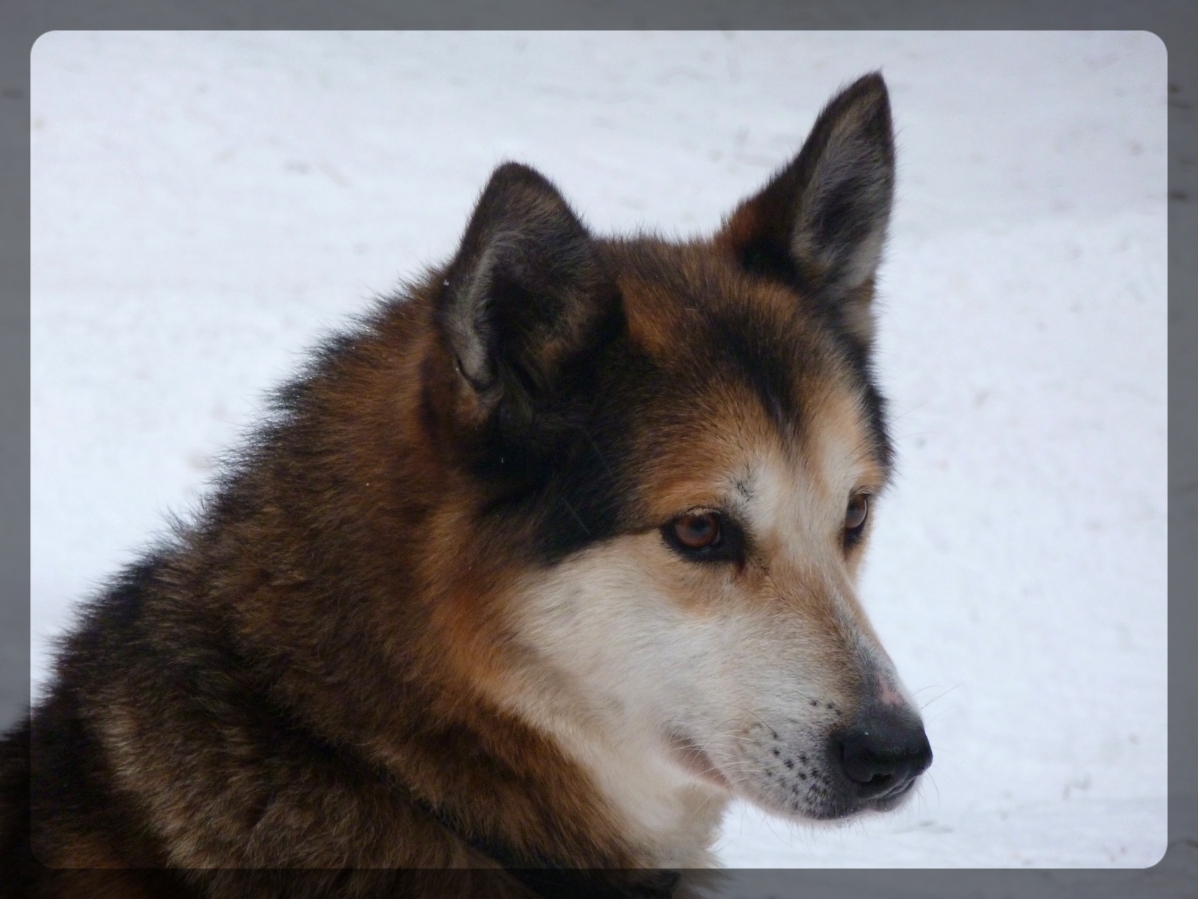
{"type": "Point", "coordinates": [207, 205]}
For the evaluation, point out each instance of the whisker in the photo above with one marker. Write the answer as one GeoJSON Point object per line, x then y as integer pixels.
{"type": "Point", "coordinates": [940, 696]}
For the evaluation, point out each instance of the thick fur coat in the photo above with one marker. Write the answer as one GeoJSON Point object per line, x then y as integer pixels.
{"type": "Point", "coordinates": [528, 573]}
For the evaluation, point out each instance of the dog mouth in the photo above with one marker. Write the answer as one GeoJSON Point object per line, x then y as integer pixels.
{"type": "Point", "coordinates": [894, 797]}
{"type": "Point", "coordinates": [691, 756]}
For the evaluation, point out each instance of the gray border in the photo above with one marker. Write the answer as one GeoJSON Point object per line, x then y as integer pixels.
{"type": "Point", "coordinates": [22, 21]}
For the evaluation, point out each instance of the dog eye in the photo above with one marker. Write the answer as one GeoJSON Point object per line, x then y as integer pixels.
{"type": "Point", "coordinates": [704, 535]}
{"type": "Point", "coordinates": [858, 511]}
{"type": "Point", "coordinates": [697, 530]}
{"type": "Point", "coordinates": [854, 518]}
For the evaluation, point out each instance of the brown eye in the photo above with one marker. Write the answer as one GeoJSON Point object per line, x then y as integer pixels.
{"type": "Point", "coordinates": [858, 510]}
{"type": "Point", "coordinates": [854, 517]}
{"type": "Point", "coordinates": [705, 536]}
{"type": "Point", "coordinates": [697, 530]}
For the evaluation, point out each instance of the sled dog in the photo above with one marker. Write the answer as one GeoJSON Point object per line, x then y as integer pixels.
{"type": "Point", "coordinates": [526, 576]}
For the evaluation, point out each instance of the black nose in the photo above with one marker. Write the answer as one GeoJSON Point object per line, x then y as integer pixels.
{"type": "Point", "coordinates": [883, 752]}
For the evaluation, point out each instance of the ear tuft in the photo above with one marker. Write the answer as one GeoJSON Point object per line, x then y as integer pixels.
{"type": "Point", "coordinates": [820, 223]}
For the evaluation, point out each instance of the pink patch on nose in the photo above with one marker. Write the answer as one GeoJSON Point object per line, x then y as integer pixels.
{"type": "Point", "coordinates": [888, 695]}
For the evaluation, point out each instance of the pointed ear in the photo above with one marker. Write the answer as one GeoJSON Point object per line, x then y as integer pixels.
{"type": "Point", "coordinates": [820, 222]}
{"type": "Point", "coordinates": [525, 297]}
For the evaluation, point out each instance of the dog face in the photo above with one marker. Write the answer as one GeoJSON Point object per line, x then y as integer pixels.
{"type": "Point", "coordinates": [683, 446]}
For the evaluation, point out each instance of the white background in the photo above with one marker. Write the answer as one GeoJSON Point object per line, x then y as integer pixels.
{"type": "Point", "coordinates": [207, 206]}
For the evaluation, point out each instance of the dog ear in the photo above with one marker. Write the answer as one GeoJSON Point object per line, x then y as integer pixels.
{"type": "Point", "coordinates": [820, 223]}
{"type": "Point", "coordinates": [524, 299]}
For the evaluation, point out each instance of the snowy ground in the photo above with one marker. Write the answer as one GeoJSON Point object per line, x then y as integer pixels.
{"type": "Point", "coordinates": [205, 206]}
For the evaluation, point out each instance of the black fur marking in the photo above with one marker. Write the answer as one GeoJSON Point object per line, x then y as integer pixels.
{"type": "Point", "coordinates": [753, 348]}
{"type": "Point", "coordinates": [576, 500]}
{"type": "Point", "coordinates": [769, 257]}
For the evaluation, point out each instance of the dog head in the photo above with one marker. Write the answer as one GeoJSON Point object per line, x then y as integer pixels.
{"type": "Point", "coordinates": [679, 447]}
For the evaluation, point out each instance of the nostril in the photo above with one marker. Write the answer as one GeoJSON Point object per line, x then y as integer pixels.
{"type": "Point", "coordinates": [864, 763]}
{"type": "Point", "coordinates": [876, 785]}
{"type": "Point", "coordinates": [883, 753]}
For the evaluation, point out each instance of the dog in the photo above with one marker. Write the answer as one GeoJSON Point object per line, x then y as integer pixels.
{"type": "Point", "coordinates": [525, 577]}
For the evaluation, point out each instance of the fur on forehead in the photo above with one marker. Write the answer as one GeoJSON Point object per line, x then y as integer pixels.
{"type": "Point", "coordinates": [740, 354]}
{"type": "Point", "coordinates": [725, 446]}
